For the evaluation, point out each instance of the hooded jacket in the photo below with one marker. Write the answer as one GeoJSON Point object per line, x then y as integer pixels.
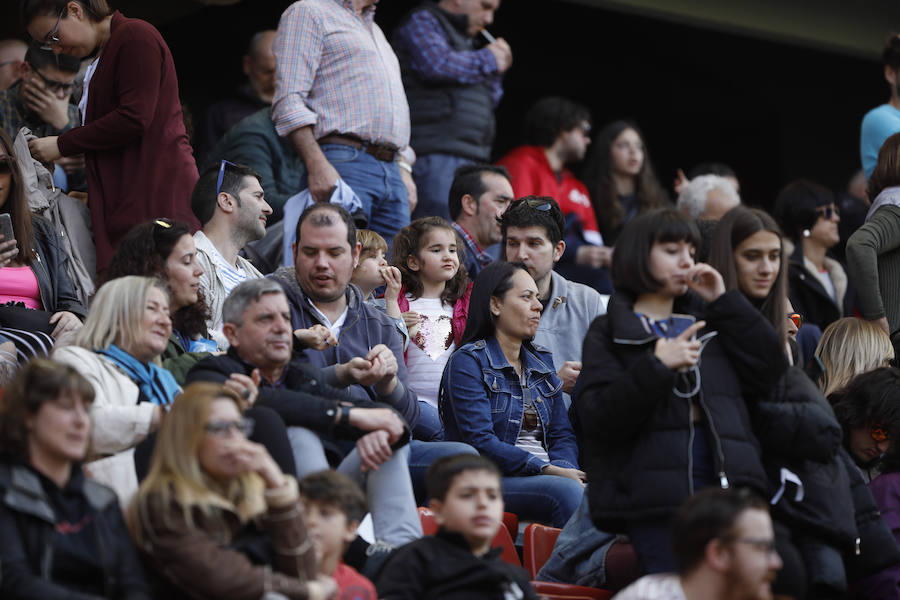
{"type": "Point", "coordinates": [638, 432]}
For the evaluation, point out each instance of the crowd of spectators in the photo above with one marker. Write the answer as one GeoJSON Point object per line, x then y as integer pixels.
{"type": "Point", "coordinates": [329, 309]}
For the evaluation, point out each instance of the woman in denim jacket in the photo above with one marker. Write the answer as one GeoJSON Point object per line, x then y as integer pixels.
{"type": "Point", "coordinates": [500, 394]}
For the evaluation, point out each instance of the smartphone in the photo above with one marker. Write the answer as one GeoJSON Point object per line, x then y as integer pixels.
{"type": "Point", "coordinates": [6, 228]}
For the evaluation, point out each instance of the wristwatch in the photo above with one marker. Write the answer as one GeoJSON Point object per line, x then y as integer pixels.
{"type": "Point", "coordinates": [345, 415]}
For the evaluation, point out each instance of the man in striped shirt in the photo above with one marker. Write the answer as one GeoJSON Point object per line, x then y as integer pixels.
{"type": "Point", "coordinates": [340, 100]}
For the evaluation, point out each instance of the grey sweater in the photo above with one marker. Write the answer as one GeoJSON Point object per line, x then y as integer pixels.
{"type": "Point", "coordinates": [873, 265]}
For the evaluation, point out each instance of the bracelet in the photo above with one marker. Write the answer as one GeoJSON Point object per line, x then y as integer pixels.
{"type": "Point", "coordinates": [405, 166]}
{"type": "Point", "coordinates": [345, 415]}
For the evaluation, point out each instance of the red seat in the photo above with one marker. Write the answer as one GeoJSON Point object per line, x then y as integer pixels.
{"type": "Point", "coordinates": [429, 527]}
{"type": "Point", "coordinates": [538, 546]}
{"type": "Point", "coordinates": [564, 591]}
{"type": "Point", "coordinates": [511, 520]}
{"type": "Point", "coordinates": [501, 540]}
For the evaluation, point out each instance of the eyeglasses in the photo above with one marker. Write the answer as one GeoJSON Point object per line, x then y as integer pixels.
{"type": "Point", "coordinates": [222, 175]}
{"type": "Point", "coordinates": [53, 85]}
{"type": "Point", "coordinates": [7, 62]}
{"type": "Point", "coordinates": [828, 211]}
{"type": "Point", "coordinates": [880, 434]}
{"type": "Point", "coordinates": [52, 39]}
{"type": "Point", "coordinates": [797, 319]}
{"type": "Point", "coordinates": [765, 545]}
{"type": "Point", "coordinates": [223, 429]}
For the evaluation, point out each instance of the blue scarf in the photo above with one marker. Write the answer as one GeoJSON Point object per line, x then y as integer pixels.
{"type": "Point", "coordinates": [156, 384]}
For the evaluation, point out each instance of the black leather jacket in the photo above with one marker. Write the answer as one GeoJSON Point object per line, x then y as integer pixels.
{"type": "Point", "coordinates": [49, 266]}
{"type": "Point", "coordinates": [27, 531]}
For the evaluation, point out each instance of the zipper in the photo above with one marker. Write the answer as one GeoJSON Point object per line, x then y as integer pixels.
{"type": "Point", "coordinates": [690, 450]}
{"type": "Point", "coordinates": [723, 478]}
{"type": "Point", "coordinates": [44, 303]}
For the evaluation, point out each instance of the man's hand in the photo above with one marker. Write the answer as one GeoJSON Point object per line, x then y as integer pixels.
{"type": "Point", "coordinates": [317, 337]}
{"type": "Point", "coordinates": [374, 448]}
{"type": "Point", "coordinates": [502, 54]}
{"type": "Point", "coordinates": [411, 193]}
{"type": "Point", "coordinates": [44, 103]}
{"type": "Point", "coordinates": [568, 373]}
{"type": "Point", "coordinates": [247, 387]}
{"type": "Point", "coordinates": [593, 256]}
{"type": "Point", "coordinates": [378, 419]}
{"type": "Point", "coordinates": [322, 180]}
{"type": "Point", "coordinates": [378, 368]}
{"type": "Point", "coordinates": [45, 149]}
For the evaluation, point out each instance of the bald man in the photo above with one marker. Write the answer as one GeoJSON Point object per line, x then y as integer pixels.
{"type": "Point", "coordinates": [12, 55]}
{"type": "Point", "coordinates": [254, 94]}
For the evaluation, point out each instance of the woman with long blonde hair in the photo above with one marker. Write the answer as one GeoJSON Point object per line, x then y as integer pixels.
{"type": "Point", "coordinates": [216, 517]}
{"type": "Point", "coordinates": [848, 347]}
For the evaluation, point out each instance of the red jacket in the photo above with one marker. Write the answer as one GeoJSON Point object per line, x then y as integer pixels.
{"type": "Point", "coordinates": [531, 174]}
{"type": "Point", "coordinates": [139, 161]}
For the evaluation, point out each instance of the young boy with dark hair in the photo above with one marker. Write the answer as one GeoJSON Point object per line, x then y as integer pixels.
{"type": "Point", "coordinates": [333, 506]}
{"type": "Point", "coordinates": [458, 561]}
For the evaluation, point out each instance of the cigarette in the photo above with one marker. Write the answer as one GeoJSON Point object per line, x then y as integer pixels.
{"type": "Point", "coordinates": [487, 35]}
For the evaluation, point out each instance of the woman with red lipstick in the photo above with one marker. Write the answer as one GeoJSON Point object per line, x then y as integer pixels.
{"type": "Point", "coordinates": [501, 395]}
{"type": "Point", "coordinates": [669, 375]}
{"type": "Point", "coordinates": [165, 250]}
{"type": "Point", "coordinates": [620, 178]}
{"type": "Point", "coordinates": [138, 156]}
{"type": "Point", "coordinates": [63, 534]}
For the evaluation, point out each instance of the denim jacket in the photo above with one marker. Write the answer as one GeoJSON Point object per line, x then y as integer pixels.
{"type": "Point", "coordinates": [481, 403]}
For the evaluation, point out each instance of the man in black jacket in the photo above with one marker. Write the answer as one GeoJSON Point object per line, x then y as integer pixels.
{"type": "Point", "coordinates": [319, 416]}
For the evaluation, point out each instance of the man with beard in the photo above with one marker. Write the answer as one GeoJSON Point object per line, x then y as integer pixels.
{"type": "Point", "coordinates": [229, 202]}
{"type": "Point", "coordinates": [725, 547]}
{"type": "Point", "coordinates": [882, 121]}
{"type": "Point", "coordinates": [321, 297]}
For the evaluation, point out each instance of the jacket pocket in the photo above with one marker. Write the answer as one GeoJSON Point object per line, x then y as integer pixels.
{"type": "Point", "coordinates": [497, 391]}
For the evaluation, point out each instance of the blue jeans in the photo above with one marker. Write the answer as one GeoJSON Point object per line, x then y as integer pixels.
{"type": "Point", "coordinates": [378, 185]}
{"type": "Point", "coordinates": [545, 498]}
{"type": "Point", "coordinates": [433, 174]}
{"type": "Point", "coordinates": [422, 454]}
{"type": "Point", "coordinates": [429, 427]}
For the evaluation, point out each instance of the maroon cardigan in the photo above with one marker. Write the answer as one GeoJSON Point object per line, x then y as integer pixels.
{"type": "Point", "coordinates": [140, 165]}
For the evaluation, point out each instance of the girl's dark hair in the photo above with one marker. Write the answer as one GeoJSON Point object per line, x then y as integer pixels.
{"type": "Point", "coordinates": [408, 242]}
{"type": "Point", "coordinates": [872, 398]}
{"type": "Point", "coordinates": [737, 225]}
{"type": "Point", "coordinates": [144, 252]}
{"type": "Point", "coordinates": [493, 281]}
{"type": "Point", "coordinates": [631, 260]}
{"type": "Point", "coordinates": [795, 206]}
{"type": "Point", "coordinates": [39, 381]}
{"type": "Point", "coordinates": [96, 10]}
{"type": "Point", "coordinates": [17, 205]}
{"type": "Point", "coordinates": [597, 176]}
{"type": "Point", "coordinates": [887, 171]}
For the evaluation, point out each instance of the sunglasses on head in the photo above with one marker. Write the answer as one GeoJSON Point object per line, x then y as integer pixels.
{"type": "Point", "coordinates": [536, 203]}
{"type": "Point", "coordinates": [222, 175]}
{"type": "Point", "coordinates": [880, 434]}
{"type": "Point", "coordinates": [796, 318]}
{"type": "Point", "coordinates": [828, 211]}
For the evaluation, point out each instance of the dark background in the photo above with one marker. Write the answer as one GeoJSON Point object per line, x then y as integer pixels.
{"type": "Point", "coordinates": [771, 110]}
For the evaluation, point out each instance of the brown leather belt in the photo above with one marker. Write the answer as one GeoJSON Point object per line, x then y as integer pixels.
{"type": "Point", "coordinates": [384, 152]}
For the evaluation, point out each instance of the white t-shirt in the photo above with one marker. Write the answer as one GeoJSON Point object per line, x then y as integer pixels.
{"type": "Point", "coordinates": [430, 348]}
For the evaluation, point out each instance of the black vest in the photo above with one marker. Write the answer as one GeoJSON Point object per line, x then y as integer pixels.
{"type": "Point", "coordinates": [449, 118]}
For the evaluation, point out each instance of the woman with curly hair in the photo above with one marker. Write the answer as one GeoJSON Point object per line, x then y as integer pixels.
{"type": "Point", "coordinates": [165, 250]}
{"type": "Point", "coordinates": [620, 178]}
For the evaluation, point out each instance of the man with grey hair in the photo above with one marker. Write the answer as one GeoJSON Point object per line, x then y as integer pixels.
{"type": "Point", "coordinates": [708, 198]}
{"type": "Point", "coordinates": [322, 420]}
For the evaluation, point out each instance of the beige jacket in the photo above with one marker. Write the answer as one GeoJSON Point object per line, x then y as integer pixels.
{"type": "Point", "coordinates": [118, 422]}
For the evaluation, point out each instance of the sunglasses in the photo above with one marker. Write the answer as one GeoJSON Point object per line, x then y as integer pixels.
{"type": "Point", "coordinates": [53, 85]}
{"type": "Point", "coordinates": [5, 165]}
{"type": "Point", "coordinates": [828, 211]}
{"type": "Point", "coordinates": [163, 223]}
{"type": "Point", "coordinates": [880, 434]}
{"type": "Point", "coordinates": [537, 203]}
{"type": "Point", "coordinates": [796, 318]}
{"type": "Point", "coordinates": [222, 175]}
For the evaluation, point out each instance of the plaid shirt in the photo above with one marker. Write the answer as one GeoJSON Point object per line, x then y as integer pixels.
{"type": "Point", "coordinates": [14, 115]}
{"type": "Point", "coordinates": [476, 258]}
{"type": "Point", "coordinates": [422, 46]}
{"type": "Point", "coordinates": [337, 72]}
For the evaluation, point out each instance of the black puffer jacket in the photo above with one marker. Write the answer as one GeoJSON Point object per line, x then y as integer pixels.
{"type": "Point", "coordinates": [28, 536]}
{"type": "Point", "coordinates": [637, 432]}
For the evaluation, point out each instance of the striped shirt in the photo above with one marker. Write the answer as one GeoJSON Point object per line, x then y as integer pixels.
{"type": "Point", "coordinates": [337, 72]}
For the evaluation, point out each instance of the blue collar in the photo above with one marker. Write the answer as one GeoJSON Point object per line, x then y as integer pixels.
{"type": "Point", "coordinates": [532, 364]}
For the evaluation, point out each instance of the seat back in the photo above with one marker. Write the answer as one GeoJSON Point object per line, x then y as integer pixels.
{"type": "Point", "coordinates": [501, 540]}
{"type": "Point", "coordinates": [538, 546]}
{"type": "Point", "coordinates": [426, 517]}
